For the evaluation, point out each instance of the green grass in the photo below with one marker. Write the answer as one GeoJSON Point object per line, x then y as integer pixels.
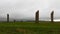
{"type": "Point", "coordinates": [30, 27]}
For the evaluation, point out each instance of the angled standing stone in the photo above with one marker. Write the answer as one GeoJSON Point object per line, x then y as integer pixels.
{"type": "Point", "coordinates": [37, 17]}
{"type": "Point", "coordinates": [7, 17]}
{"type": "Point", "coordinates": [52, 16]}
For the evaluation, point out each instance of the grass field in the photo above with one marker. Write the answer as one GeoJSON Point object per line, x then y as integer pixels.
{"type": "Point", "coordinates": [29, 28]}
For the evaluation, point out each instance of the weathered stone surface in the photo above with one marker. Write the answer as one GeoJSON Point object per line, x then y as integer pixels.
{"type": "Point", "coordinates": [52, 16]}
{"type": "Point", "coordinates": [7, 17]}
{"type": "Point", "coordinates": [37, 17]}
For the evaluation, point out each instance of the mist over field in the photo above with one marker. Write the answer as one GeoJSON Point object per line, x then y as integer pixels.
{"type": "Point", "coordinates": [25, 9]}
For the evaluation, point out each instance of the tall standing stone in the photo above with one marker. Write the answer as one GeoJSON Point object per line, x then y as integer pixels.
{"type": "Point", "coordinates": [7, 17]}
{"type": "Point", "coordinates": [37, 17]}
{"type": "Point", "coordinates": [52, 16]}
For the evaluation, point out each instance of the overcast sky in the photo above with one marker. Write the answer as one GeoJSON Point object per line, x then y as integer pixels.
{"type": "Point", "coordinates": [27, 8]}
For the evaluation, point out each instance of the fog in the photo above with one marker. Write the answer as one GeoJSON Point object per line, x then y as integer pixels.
{"type": "Point", "coordinates": [25, 9]}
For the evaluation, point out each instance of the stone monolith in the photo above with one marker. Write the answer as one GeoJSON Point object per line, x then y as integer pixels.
{"type": "Point", "coordinates": [37, 17]}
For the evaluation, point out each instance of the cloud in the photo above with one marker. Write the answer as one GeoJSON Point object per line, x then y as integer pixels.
{"type": "Point", "coordinates": [27, 8]}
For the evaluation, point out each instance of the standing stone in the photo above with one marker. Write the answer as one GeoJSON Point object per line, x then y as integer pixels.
{"type": "Point", "coordinates": [7, 17]}
{"type": "Point", "coordinates": [14, 20]}
{"type": "Point", "coordinates": [52, 16]}
{"type": "Point", "coordinates": [37, 17]}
